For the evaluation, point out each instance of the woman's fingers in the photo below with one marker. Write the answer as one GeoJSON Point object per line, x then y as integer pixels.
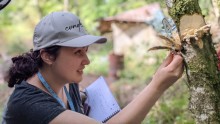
{"type": "Point", "coordinates": [176, 65]}
{"type": "Point", "coordinates": [176, 62]}
{"type": "Point", "coordinates": [167, 61]}
{"type": "Point", "coordinates": [169, 72]}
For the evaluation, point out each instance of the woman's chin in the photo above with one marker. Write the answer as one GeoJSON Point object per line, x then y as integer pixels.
{"type": "Point", "coordinates": [77, 81]}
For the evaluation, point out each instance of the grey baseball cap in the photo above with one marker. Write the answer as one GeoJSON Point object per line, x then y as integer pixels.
{"type": "Point", "coordinates": [4, 3]}
{"type": "Point", "coordinates": [62, 29]}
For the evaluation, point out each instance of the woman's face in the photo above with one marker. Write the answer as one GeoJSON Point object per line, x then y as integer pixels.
{"type": "Point", "coordinates": [70, 63]}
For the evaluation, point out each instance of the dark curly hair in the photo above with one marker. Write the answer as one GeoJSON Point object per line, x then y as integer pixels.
{"type": "Point", "coordinates": [26, 65]}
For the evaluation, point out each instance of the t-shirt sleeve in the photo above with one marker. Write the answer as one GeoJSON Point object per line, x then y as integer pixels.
{"type": "Point", "coordinates": [44, 110]}
{"type": "Point", "coordinates": [34, 108]}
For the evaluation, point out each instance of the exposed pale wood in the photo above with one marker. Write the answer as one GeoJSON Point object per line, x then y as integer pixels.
{"type": "Point", "coordinates": [194, 21]}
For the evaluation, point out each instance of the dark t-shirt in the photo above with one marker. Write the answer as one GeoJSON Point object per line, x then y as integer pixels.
{"type": "Point", "coordinates": [30, 105]}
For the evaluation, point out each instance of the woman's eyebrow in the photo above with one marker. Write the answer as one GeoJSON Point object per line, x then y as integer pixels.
{"type": "Point", "coordinates": [86, 48]}
{"type": "Point", "coordinates": [79, 48]}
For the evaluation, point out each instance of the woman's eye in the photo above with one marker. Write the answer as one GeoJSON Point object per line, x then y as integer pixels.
{"type": "Point", "coordinates": [78, 52]}
{"type": "Point", "coordinates": [81, 51]}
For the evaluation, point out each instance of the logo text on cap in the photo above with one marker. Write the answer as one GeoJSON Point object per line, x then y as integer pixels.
{"type": "Point", "coordinates": [74, 26]}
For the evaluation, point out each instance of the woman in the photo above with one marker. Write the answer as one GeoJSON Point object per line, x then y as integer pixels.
{"type": "Point", "coordinates": [46, 79]}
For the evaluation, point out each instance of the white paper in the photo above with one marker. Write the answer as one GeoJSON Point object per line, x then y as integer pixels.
{"type": "Point", "coordinates": [101, 101]}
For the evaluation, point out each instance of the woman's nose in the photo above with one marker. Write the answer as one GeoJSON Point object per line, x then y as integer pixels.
{"type": "Point", "coordinates": [86, 60]}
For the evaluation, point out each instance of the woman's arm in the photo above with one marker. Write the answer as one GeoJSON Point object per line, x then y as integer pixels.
{"type": "Point", "coordinates": [134, 113]}
{"type": "Point", "coordinates": [70, 117]}
{"type": "Point", "coordinates": [167, 74]}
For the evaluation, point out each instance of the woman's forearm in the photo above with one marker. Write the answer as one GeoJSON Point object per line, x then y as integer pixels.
{"type": "Point", "coordinates": [136, 111]}
{"type": "Point", "coordinates": [168, 73]}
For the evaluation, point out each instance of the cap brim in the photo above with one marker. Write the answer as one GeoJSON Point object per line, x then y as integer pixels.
{"type": "Point", "coordinates": [4, 3]}
{"type": "Point", "coordinates": [83, 41]}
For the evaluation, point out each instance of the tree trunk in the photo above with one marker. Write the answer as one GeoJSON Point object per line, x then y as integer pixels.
{"type": "Point", "coordinates": [39, 9]}
{"type": "Point", "coordinates": [76, 5]}
{"type": "Point", "coordinates": [215, 8]}
{"type": "Point", "coordinates": [201, 60]}
{"type": "Point", "coordinates": [66, 5]}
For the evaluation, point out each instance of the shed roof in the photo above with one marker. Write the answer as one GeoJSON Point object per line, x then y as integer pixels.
{"type": "Point", "coordinates": [136, 15]}
{"type": "Point", "coordinates": [139, 15]}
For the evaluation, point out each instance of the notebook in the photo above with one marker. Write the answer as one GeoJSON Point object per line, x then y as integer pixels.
{"type": "Point", "coordinates": [101, 101]}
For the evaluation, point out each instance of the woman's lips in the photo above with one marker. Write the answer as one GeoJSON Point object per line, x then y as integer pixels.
{"type": "Point", "coordinates": [80, 71]}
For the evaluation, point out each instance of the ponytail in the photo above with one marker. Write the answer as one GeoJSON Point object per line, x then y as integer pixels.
{"type": "Point", "coordinates": [26, 65]}
{"type": "Point", "coordinates": [23, 67]}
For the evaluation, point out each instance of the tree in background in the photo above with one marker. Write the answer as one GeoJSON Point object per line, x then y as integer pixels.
{"type": "Point", "coordinates": [216, 6]}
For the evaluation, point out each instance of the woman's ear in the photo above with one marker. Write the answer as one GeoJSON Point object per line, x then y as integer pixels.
{"type": "Point", "coordinates": [46, 57]}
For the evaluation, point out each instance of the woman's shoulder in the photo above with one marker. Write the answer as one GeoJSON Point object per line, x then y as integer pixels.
{"type": "Point", "coordinates": [26, 95]}
{"type": "Point", "coordinates": [26, 90]}
{"type": "Point", "coordinates": [28, 101]}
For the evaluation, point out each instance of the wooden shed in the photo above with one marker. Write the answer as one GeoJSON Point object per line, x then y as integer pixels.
{"type": "Point", "coordinates": [130, 28]}
{"type": "Point", "coordinates": [131, 32]}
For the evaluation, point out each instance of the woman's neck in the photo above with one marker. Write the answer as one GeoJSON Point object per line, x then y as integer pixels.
{"type": "Point", "coordinates": [53, 81]}
{"type": "Point", "coordinates": [57, 88]}
{"type": "Point", "coordinates": [55, 84]}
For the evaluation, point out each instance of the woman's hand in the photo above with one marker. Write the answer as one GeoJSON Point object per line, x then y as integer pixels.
{"type": "Point", "coordinates": [134, 113]}
{"type": "Point", "coordinates": [169, 72]}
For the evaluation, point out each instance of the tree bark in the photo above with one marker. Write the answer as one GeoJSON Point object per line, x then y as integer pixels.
{"type": "Point", "coordinates": [201, 60]}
